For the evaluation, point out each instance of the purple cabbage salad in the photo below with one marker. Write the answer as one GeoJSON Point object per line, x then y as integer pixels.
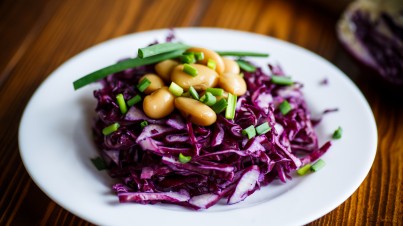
{"type": "Point", "coordinates": [224, 163]}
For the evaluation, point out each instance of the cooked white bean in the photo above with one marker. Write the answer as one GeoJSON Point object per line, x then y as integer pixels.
{"type": "Point", "coordinates": [233, 83]}
{"type": "Point", "coordinates": [156, 82]}
{"type": "Point", "coordinates": [197, 112]}
{"type": "Point", "coordinates": [206, 77]}
{"type": "Point", "coordinates": [164, 69]}
{"type": "Point", "coordinates": [210, 54]}
{"type": "Point", "coordinates": [159, 104]}
{"type": "Point", "coordinates": [230, 66]}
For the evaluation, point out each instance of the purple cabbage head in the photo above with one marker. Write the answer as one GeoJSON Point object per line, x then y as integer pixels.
{"type": "Point", "coordinates": [372, 31]}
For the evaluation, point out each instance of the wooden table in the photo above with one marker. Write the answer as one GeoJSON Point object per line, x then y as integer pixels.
{"type": "Point", "coordinates": [39, 35]}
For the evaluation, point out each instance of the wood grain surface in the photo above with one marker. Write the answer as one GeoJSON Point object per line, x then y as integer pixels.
{"type": "Point", "coordinates": [37, 36]}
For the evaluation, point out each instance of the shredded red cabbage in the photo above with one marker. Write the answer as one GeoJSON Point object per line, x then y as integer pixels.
{"type": "Point", "coordinates": [224, 164]}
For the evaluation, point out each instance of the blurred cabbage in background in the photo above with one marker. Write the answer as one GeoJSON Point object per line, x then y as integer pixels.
{"type": "Point", "coordinates": [372, 31]}
{"type": "Point", "coordinates": [335, 6]}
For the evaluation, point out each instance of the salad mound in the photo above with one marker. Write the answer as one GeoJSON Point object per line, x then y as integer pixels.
{"type": "Point", "coordinates": [176, 159]}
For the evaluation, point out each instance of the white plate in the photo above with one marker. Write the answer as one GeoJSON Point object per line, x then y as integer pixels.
{"type": "Point", "coordinates": [55, 141]}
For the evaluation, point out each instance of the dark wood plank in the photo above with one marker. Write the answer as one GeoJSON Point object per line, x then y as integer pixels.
{"type": "Point", "coordinates": [21, 21]}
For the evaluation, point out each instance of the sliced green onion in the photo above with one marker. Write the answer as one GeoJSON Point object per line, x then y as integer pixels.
{"type": "Point", "coordinates": [241, 54]}
{"type": "Point", "coordinates": [304, 170]}
{"type": "Point", "coordinates": [185, 94]}
{"type": "Point", "coordinates": [110, 129]}
{"type": "Point", "coordinates": [175, 89]}
{"type": "Point", "coordinates": [211, 64]}
{"type": "Point", "coordinates": [143, 85]}
{"type": "Point", "coordinates": [281, 80]}
{"type": "Point", "coordinates": [208, 99]}
{"type": "Point", "coordinates": [263, 128]}
{"type": "Point", "coordinates": [284, 107]}
{"type": "Point", "coordinates": [99, 163]}
{"type": "Point", "coordinates": [199, 55]}
{"type": "Point", "coordinates": [250, 132]}
{"type": "Point", "coordinates": [318, 165]}
{"type": "Point", "coordinates": [121, 103]}
{"type": "Point", "coordinates": [215, 91]}
{"type": "Point", "coordinates": [230, 110]}
{"type": "Point", "coordinates": [188, 69]}
{"type": "Point", "coordinates": [123, 65]}
{"type": "Point", "coordinates": [143, 124]}
{"type": "Point", "coordinates": [160, 48]}
{"type": "Point", "coordinates": [187, 59]}
{"type": "Point", "coordinates": [184, 159]}
{"type": "Point", "coordinates": [193, 93]}
{"type": "Point", "coordinates": [246, 66]}
{"type": "Point", "coordinates": [134, 100]}
{"type": "Point", "coordinates": [189, 53]}
{"type": "Point", "coordinates": [337, 133]}
{"type": "Point", "coordinates": [219, 106]}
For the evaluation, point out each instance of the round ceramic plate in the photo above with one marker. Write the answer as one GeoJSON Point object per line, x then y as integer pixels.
{"type": "Point", "coordinates": [56, 146]}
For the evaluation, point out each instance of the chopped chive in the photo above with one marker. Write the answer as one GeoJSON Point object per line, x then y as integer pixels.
{"type": "Point", "coordinates": [99, 163]}
{"type": "Point", "coordinates": [318, 165]}
{"type": "Point", "coordinates": [184, 159]}
{"type": "Point", "coordinates": [263, 128]}
{"type": "Point", "coordinates": [281, 80]}
{"type": "Point", "coordinates": [110, 129]}
{"type": "Point", "coordinates": [187, 59]}
{"type": "Point", "coordinates": [337, 133]}
{"type": "Point", "coordinates": [241, 54]}
{"type": "Point", "coordinates": [143, 85]}
{"type": "Point", "coordinates": [202, 98]}
{"type": "Point", "coordinates": [175, 89]}
{"type": "Point", "coordinates": [208, 99]}
{"type": "Point", "coordinates": [123, 65]}
{"type": "Point", "coordinates": [246, 66]}
{"type": "Point", "coordinates": [250, 132]}
{"type": "Point", "coordinates": [188, 69]}
{"type": "Point", "coordinates": [122, 103]}
{"type": "Point", "coordinates": [143, 124]}
{"type": "Point", "coordinates": [193, 93]}
{"type": "Point", "coordinates": [284, 107]}
{"type": "Point", "coordinates": [230, 110]}
{"type": "Point", "coordinates": [199, 55]}
{"type": "Point", "coordinates": [189, 53]}
{"type": "Point", "coordinates": [160, 48]}
{"type": "Point", "coordinates": [215, 91]}
{"type": "Point", "coordinates": [211, 64]}
{"type": "Point", "coordinates": [304, 170]}
{"type": "Point", "coordinates": [134, 100]}
{"type": "Point", "coordinates": [219, 106]}
{"type": "Point", "coordinates": [185, 94]}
